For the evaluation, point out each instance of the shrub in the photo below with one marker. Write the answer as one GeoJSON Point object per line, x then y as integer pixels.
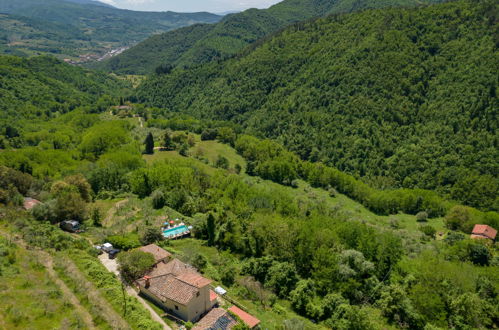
{"type": "Point", "coordinates": [222, 162]}
{"type": "Point", "coordinates": [422, 216]}
{"type": "Point", "coordinates": [209, 134]}
{"type": "Point", "coordinates": [125, 242]}
{"type": "Point", "coordinates": [151, 235]}
{"type": "Point", "coordinates": [158, 199]}
{"type": "Point", "coordinates": [428, 231]}
{"type": "Point", "coordinates": [134, 264]}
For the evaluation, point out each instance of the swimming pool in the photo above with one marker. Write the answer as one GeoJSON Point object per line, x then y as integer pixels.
{"type": "Point", "coordinates": [175, 231]}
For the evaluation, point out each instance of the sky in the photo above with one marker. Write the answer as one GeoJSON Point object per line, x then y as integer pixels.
{"type": "Point", "coordinates": [214, 6]}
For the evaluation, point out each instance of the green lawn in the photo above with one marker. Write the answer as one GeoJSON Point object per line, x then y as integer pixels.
{"type": "Point", "coordinates": [211, 150]}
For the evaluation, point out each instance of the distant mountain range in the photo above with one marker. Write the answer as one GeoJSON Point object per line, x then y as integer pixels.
{"type": "Point", "coordinates": [75, 27]}
{"type": "Point", "coordinates": [187, 47]}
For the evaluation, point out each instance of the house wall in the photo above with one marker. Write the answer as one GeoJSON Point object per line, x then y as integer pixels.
{"type": "Point", "coordinates": [168, 306]}
{"type": "Point", "coordinates": [198, 306]}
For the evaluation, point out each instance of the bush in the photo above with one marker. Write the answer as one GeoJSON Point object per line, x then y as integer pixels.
{"type": "Point", "coordinates": [134, 264]}
{"type": "Point", "coordinates": [158, 199]}
{"type": "Point", "coordinates": [428, 231]}
{"type": "Point", "coordinates": [209, 134]}
{"type": "Point", "coordinates": [125, 242]}
{"type": "Point", "coordinates": [184, 150]}
{"type": "Point", "coordinates": [422, 216]}
{"type": "Point", "coordinates": [222, 162]}
{"type": "Point", "coordinates": [479, 254]}
{"type": "Point", "coordinates": [151, 235]}
{"type": "Point", "coordinates": [457, 217]}
{"type": "Point", "coordinates": [199, 261]}
{"type": "Point", "coordinates": [228, 275]}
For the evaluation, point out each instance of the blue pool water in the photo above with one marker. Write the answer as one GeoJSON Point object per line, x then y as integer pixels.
{"type": "Point", "coordinates": [175, 231]}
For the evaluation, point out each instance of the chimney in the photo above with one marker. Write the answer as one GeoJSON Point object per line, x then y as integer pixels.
{"type": "Point", "coordinates": [148, 281]}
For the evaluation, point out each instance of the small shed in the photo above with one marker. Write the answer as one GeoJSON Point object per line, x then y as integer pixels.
{"type": "Point", "coordinates": [484, 232]}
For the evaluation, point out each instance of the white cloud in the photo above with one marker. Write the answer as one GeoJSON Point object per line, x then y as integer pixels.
{"type": "Point", "coordinates": [192, 5]}
{"type": "Point", "coordinates": [138, 2]}
{"type": "Point", "coordinates": [109, 2]}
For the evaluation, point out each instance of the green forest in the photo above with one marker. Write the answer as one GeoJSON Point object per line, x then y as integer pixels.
{"type": "Point", "coordinates": [192, 46]}
{"type": "Point", "coordinates": [396, 97]}
{"type": "Point", "coordinates": [332, 174]}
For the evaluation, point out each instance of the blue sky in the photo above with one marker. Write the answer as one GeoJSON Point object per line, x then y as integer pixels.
{"type": "Point", "coordinates": [214, 6]}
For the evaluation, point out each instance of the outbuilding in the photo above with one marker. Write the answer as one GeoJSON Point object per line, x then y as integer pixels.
{"type": "Point", "coordinates": [484, 232]}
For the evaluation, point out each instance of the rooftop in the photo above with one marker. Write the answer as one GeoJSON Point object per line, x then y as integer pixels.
{"type": "Point", "coordinates": [483, 231]}
{"type": "Point", "coordinates": [158, 253]}
{"type": "Point", "coordinates": [248, 319]}
{"type": "Point", "coordinates": [217, 318]}
{"type": "Point", "coordinates": [30, 203]}
{"type": "Point", "coordinates": [175, 267]}
{"type": "Point", "coordinates": [174, 281]}
{"type": "Point", "coordinates": [168, 287]}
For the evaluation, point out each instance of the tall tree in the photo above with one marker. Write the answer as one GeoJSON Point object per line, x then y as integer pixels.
{"type": "Point", "coordinates": [149, 144]}
{"type": "Point", "coordinates": [210, 224]}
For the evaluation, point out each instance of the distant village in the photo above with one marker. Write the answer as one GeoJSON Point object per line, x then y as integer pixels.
{"type": "Point", "coordinates": [86, 58]}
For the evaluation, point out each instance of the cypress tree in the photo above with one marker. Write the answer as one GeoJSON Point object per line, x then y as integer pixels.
{"type": "Point", "coordinates": [149, 144]}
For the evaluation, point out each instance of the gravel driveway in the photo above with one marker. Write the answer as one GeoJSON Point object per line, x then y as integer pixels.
{"type": "Point", "coordinates": [110, 264]}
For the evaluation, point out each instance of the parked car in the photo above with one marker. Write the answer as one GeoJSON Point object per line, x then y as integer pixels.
{"type": "Point", "coordinates": [112, 254]}
{"type": "Point", "coordinates": [106, 247]}
{"type": "Point", "coordinates": [71, 226]}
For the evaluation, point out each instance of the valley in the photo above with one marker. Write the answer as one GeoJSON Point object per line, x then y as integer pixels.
{"type": "Point", "coordinates": [68, 30]}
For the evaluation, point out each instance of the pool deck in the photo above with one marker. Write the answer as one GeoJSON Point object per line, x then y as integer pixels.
{"type": "Point", "coordinates": [180, 235]}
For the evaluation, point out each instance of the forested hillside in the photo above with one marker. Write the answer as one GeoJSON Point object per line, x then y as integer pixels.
{"type": "Point", "coordinates": [42, 88]}
{"type": "Point", "coordinates": [399, 97]}
{"type": "Point", "coordinates": [187, 47]}
{"type": "Point", "coordinates": [84, 26]}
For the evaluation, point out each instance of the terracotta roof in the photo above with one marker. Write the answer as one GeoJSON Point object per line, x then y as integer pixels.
{"type": "Point", "coordinates": [158, 253]}
{"type": "Point", "coordinates": [248, 319]}
{"type": "Point", "coordinates": [213, 295]}
{"type": "Point", "coordinates": [174, 281]}
{"type": "Point", "coordinates": [175, 267]}
{"type": "Point", "coordinates": [30, 203]}
{"type": "Point", "coordinates": [194, 279]}
{"type": "Point", "coordinates": [217, 318]}
{"type": "Point", "coordinates": [169, 287]}
{"type": "Point", "coordinates": [484, 231]}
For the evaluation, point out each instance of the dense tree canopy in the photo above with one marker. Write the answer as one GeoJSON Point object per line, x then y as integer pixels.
{"type": "Point", "coordinates": [400, 97]}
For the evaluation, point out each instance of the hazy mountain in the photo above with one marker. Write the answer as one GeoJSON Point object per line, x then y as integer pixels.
{"type": "Point", "coordinates": [100, 26]}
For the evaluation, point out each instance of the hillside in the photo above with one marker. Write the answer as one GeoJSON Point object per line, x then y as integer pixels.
{"type": "Point", "coordinates": [92, 27]}
{"type": "Point", "coordinates": [41, 88]}
{"type": "Point", "coordinates": [187, 47]}
{"type": "Point", "coordinates": [399, 97]}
